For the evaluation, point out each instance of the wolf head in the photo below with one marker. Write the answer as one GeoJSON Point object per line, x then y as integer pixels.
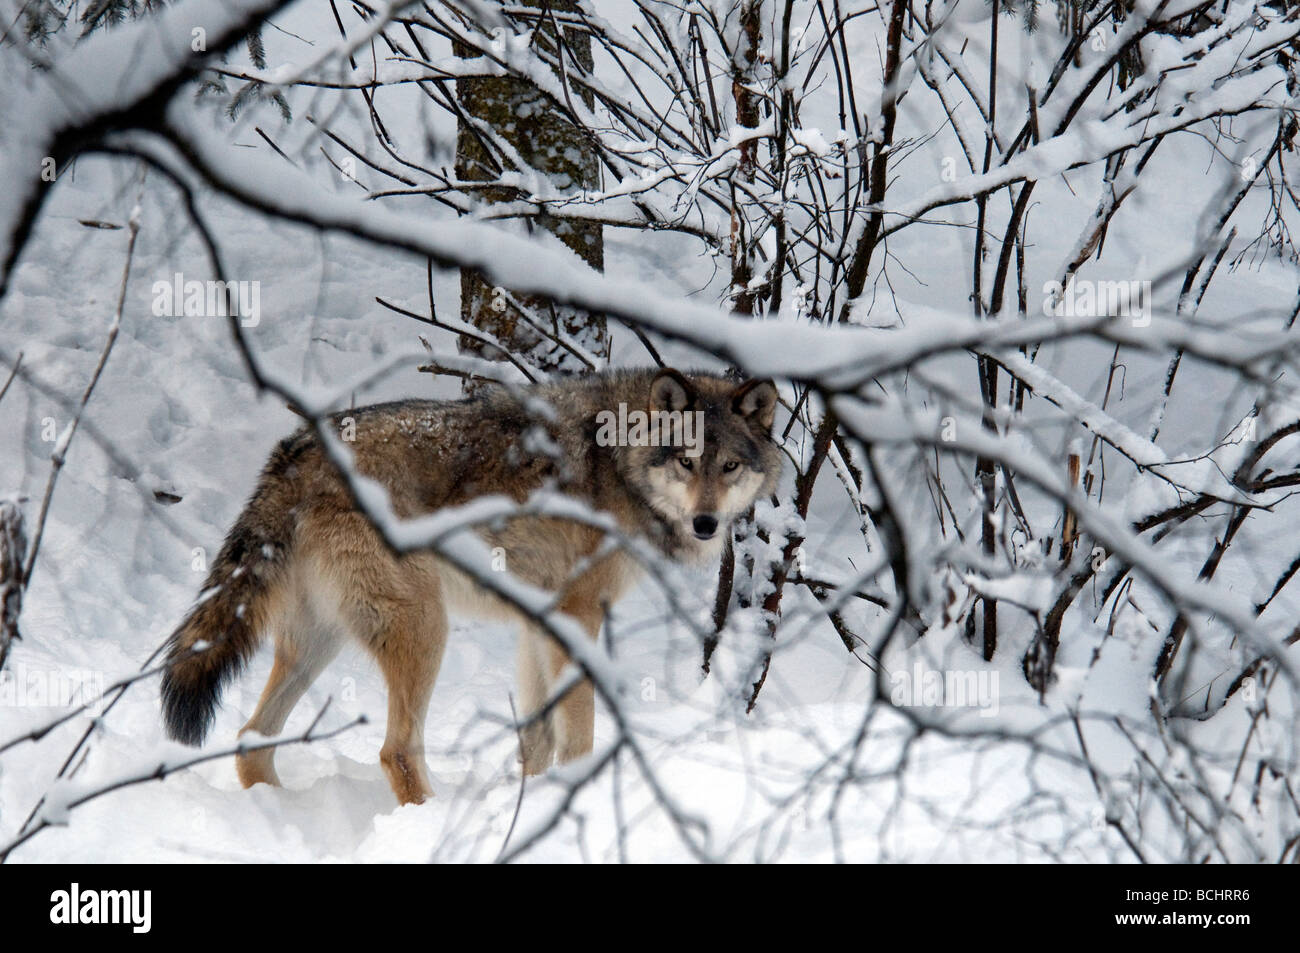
{"type": "Point", "coordinates": [714, 458]}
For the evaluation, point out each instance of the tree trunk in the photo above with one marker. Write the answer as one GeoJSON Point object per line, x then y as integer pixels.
{"type": "Point", "coordinates": [13, 554]}
{"type": "Point", "coordinates": [533, 126]}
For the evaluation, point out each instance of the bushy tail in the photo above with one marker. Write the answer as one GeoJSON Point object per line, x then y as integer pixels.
{"type": "Point", "coordinates": [224, 628]}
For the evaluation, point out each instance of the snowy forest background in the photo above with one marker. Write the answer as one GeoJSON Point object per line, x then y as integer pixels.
{"type": "Point", "coordinates": [1023, 271]}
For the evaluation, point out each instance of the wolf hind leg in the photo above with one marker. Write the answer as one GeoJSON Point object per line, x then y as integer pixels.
{"type": "Point", "coordinates": [575, 721]}
{"type": "Point", "coordinates": [572, 723]}
{"type": "Point", "coordinates": [393, 606]}
{"type": "Point", "coordinates": [302, 652]}
{"type": "Point", "coordinates": [409, 653]}
{"type": "Point", "coordinates": [537, 734]}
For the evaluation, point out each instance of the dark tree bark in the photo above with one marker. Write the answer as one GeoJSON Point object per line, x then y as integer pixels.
{"type": "Point", "coordinates": [531, 124]}
{"type": "Point", "coordinates": [13, 553]}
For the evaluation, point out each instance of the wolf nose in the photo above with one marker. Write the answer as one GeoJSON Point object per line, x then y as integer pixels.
{"type": "Point", "coordinates": [705, 526]}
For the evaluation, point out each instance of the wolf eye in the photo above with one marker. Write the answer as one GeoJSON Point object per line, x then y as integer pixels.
{"type": "Point", "coordinates": [685, 462]}
{"type": "Point", "coordinates": [730, 466]}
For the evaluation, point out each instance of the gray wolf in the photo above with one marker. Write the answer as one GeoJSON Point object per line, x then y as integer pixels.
{"type": "Point", "coordinates": [303, 565]}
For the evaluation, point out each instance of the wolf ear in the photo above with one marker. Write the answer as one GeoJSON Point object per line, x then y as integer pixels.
{"type": "Point", "coordinates": [671, 391]}
{"type": "Point", "coordinates": [756, 401]}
